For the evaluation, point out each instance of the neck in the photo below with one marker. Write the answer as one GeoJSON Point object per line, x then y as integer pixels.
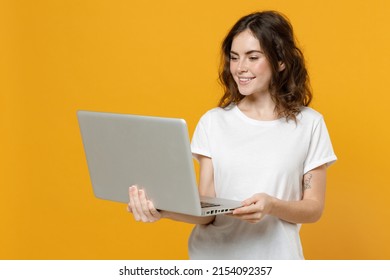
{"type": "Point", "coordinates": [258, 108]}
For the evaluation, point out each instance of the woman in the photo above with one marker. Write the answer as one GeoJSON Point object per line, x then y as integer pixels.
{"type": "Point", "coordinates": [262, 146]}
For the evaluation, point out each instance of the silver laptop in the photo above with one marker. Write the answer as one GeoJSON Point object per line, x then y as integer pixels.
{"type": "Point", "coordinates": [151, 152]}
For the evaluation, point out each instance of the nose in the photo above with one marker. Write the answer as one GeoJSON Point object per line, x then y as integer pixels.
{"type": "Point", "coordinates": [242, 67]}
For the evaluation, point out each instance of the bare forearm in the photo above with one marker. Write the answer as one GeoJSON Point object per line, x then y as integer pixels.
{"type": "Point", "coordinates": [310, 208]}
{"type": "Point", "coordinates": [187, 218]}
{"type": "Point", "coordinates": [299, 212]}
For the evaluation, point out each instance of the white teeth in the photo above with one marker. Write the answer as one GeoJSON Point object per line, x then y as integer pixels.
{"type": "Point", "coordinates": [245, 79]}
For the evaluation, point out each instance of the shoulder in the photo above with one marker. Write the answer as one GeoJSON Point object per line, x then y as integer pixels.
{"type": "Point", "coordinates": [310, 115]}
{"type": "Point", "coordinates": [216, 113]}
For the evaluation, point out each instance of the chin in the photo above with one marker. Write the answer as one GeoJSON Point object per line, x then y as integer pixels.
{"type": "Point", "coordinates": [245, 92]}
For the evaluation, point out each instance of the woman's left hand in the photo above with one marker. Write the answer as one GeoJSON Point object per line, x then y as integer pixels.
{"type": "Point", "coordinates": [254, 208]}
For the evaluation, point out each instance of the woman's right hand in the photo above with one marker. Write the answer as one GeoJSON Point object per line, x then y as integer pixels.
{"type": "Point", "coordinates": [142, 208]}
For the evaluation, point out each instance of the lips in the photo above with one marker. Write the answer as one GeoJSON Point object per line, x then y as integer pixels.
{"type": "Point", "coordinates": [245, 80]}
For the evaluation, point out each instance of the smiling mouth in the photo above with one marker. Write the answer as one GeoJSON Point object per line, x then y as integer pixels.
{"type": "Point", "coordinates": [245, 79]}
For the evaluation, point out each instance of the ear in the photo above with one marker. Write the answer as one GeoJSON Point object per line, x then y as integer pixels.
{"type": "Point", "coordinates": [282, 66]}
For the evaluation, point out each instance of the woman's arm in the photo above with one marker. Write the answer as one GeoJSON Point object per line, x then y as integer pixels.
{"type": "Point", "coordinates": [144, 210]}
{"type": "Point", "coordinates": [307, 210]}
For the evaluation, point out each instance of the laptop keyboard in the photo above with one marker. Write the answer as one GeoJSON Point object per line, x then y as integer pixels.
{"type": "Point", "coordinates": [207, 204]}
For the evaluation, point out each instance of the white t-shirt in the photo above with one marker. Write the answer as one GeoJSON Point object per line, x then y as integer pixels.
{"type": "Point", "coordinates": [251, 156]}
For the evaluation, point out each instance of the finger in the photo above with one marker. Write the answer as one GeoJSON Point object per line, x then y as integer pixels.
{"type": "Point", "coordinates": [131, 205]}
{"type": "Point", "coordinates": [134, 203]}
{"type": "Point", "coordinates": [155, 213]}
{"type": "Point", "coordinates": [249, 201]}
{"type": "Point", "coordinates": [145, 206]}
{"type": "Point", "coordinates": [138, 202]}
{"type": "Point", "coordinates": [129, 208]}
{"type": "Point", "coordinates": [250, 218]}
{"type": "Point", "coordinates": [245, 210]}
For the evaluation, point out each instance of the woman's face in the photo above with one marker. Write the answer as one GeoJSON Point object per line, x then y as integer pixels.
{"type": "Point", "coordinates": [249, 66]}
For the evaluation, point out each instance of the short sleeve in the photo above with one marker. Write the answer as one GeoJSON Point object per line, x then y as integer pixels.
{"type": "Point", "coordinates": [320, 149]}
{"type": "Point", "coordinates": [200, 140]}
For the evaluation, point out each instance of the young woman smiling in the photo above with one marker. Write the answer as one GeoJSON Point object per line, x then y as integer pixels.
{"type": "Point", "coordinates": [262, 145]}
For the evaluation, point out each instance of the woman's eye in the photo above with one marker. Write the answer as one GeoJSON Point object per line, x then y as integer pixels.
{"type": "Point", "coordinates": [253, 57]}
{"type": "Point", "coordinates": [233, 58]}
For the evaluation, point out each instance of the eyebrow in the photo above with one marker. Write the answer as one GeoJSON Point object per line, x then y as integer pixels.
{"type": "Point", "coordinates": [247, 53]}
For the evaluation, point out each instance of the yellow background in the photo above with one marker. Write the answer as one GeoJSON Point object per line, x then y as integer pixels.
{"type": "Point", "coordinates": [161, 58]}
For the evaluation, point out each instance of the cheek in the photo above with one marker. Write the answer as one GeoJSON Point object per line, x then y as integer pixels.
{"type": "Point", "coordinates": [263, 68]}
{"type": "Point", "coordinates": [232, 71]}
{"type": "Point", "coordinates": [231, 68]}
{"type": "Point", "coordinates": [263, 75]}
{"type": "Point", "coordinates": [260, 68]}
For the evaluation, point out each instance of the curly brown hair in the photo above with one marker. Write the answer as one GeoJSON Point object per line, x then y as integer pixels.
{"type": "Point", "coordinates": [290, 88]}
